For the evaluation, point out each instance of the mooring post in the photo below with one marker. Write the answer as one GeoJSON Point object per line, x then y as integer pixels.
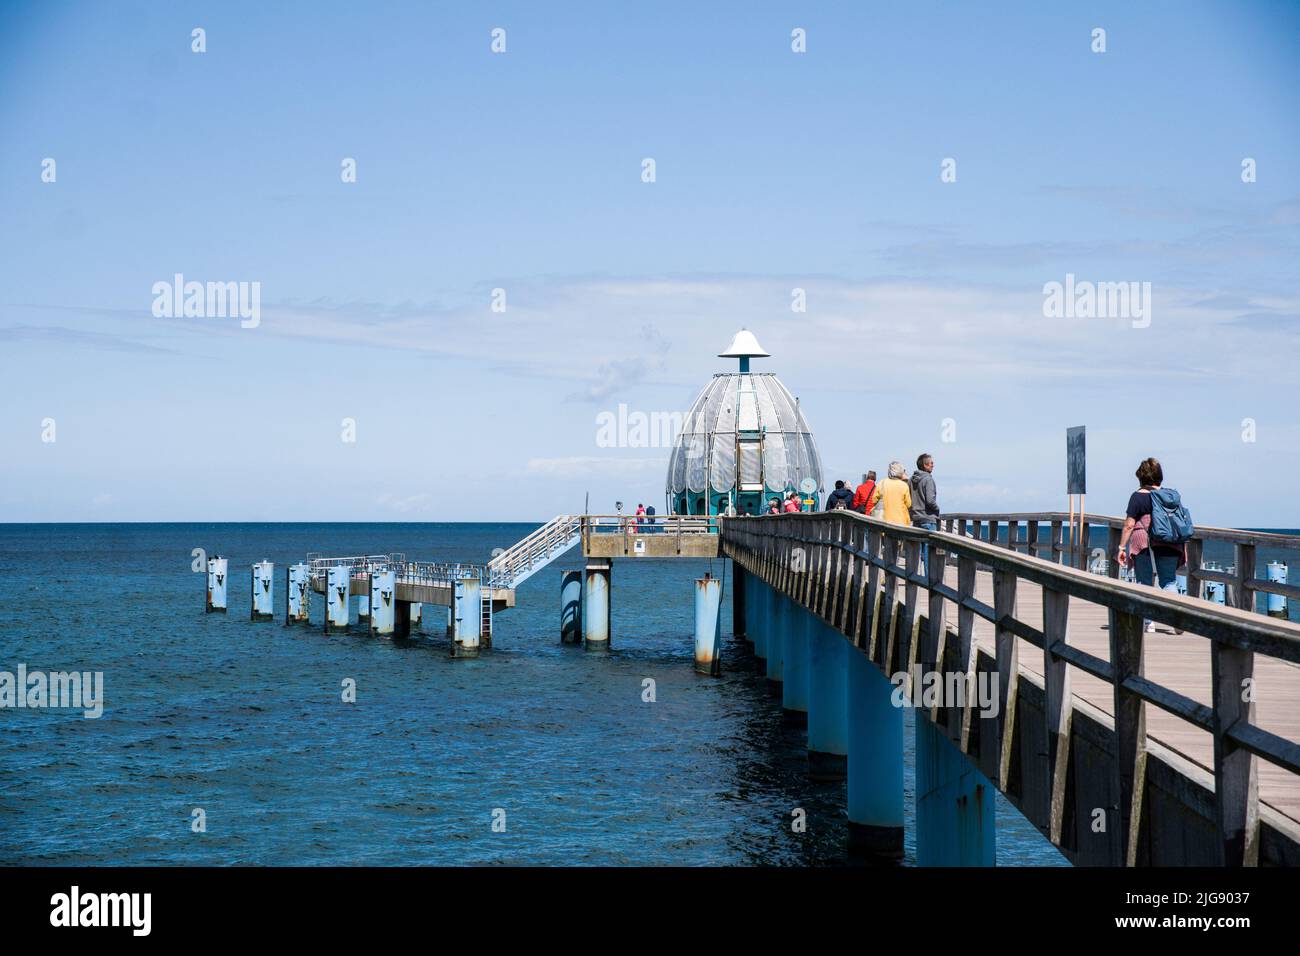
{"type": "Point", "coordinates": [1276, 603]}
{"type": "Point", "coordinates": [875, 791]}
{"type": "Point", "coordinates": [828, 701]}
{"type": "Point", "coordinates": [708, 625]}
{"type": "Point", "coordinates": [738, 623]}
{"type": "Point", "coordinates": [216, 585]}
{"type": "Point", "coordinates": [338, 585]}
{"type": "Point", "coordinates": [466, 617]}
{"type": "Point", "coordinates": [262, 607]}
{"type": "Point", "coordinates": [571, 607]}
{"type": "Point", "coordinates": [954, 803]}
{"type": "Point", "coordinates": [297, 596]}
{"type": "Point", "coordinates": [383, 602]}
{"type": "Point", "coordinates": [595, 605]}
{"type": "Point", "coordinates": [793, 623]}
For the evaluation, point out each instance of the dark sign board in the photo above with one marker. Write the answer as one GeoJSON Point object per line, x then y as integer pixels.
{"type": "Point", "coordinates": [1076, 463]}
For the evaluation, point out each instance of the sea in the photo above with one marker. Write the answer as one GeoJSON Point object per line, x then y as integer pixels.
{"type": "Point", "coordinates": [227, 741]}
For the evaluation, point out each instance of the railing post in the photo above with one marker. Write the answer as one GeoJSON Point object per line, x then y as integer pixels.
{"type": "Point", "coordinates": [1059, 706]}
{"type": "Point", "coordinates": [885, 628]}
{"type": "Point", "coordinates": [1058, 546]}
{"type": "Point", "coordinates": [1194, 582]}
{"type": "Point", "coordinates": [1006, 648]}
{"type": "Point", "coordinates": [906, 632]}
{"type": "Point", "coordinates": [966, 641]}
{"type": "Point", "coordinates": [1130, 729]}
{"type": "Point", "coordinates": [1032, 539]}
{"type": "Point", "coordinates": [871, 623]}
{"type": "Point", "coordinates": [1242, 593]}
{"type": "Point", "coordinates": [932, 654]}
{"type": "Point", "coordinates": [1236, 780]}
{"type": "Point", "coordinates": [1112, 546]}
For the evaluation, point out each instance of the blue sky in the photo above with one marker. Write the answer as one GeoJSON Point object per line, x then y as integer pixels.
{"type": "Point", "coordinates": [522, 171]}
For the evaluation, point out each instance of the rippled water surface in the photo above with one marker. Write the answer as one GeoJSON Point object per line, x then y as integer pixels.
{"type": "Point", "coordinates": [245, 720]}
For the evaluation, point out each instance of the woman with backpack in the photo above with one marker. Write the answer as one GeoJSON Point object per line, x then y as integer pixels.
{"type": "Point", "coordinates": [1156, 553]}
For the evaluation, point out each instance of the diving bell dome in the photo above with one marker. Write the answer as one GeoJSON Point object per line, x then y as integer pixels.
{"type": "Point", "coordinates": [744, 439]}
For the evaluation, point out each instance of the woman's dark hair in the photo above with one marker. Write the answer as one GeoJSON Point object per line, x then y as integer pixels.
{"type": "Point", "coordinates": [871, 476]}
{"type": "Point", "coordinates": [1150, 473]}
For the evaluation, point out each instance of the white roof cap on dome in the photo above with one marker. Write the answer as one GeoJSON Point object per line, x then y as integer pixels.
{"type": "Point", "coordinates": [744, 345]}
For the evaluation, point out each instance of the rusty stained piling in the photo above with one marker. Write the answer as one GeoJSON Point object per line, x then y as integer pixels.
{"type": "Point", "coordinates": [338, 585]}
{"type": "Point", "coordinates": [708, 625]}
{"type": "Point", "coordinates": [216, 599]}
{"type": "Point", "coordinates": [261, 593]}
{"type": "Point", "coordinates": [466, 617]}
{"type": "Point", "coordinates": [383, 602]}
{"type": "Point", "coordinates": [297, 588]}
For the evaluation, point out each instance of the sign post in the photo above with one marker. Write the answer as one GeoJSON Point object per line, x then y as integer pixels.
{"type": "Point", "coordinates": [1076, 483]}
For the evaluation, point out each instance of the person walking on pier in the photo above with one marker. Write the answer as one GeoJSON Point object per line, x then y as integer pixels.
{"type": "Point", "coordinates": [862, 497]}
{"type": "Point", "coordinates": [895, 495]}
{"type": "Point", "coordinates": [791, 503]}
{"type": "Point", "coordinates": [841, 497]}
{"type": "Point", "coordinates": [1154, 557]}
{"type": "Point", "coordinates": [925, 501]}
{"type": "Point", "coordinates": [774, 506]}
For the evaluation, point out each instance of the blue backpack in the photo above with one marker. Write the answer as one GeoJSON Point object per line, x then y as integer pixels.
{"type": "Point", "coordinates": [1171, 522]}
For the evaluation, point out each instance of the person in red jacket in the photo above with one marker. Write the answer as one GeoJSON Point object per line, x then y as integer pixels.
{"type": "Point", "coordinates": [862, 497]}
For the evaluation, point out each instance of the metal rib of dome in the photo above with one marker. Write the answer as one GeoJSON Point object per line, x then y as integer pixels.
{"type": "Point", "coordinates": [730, 407]}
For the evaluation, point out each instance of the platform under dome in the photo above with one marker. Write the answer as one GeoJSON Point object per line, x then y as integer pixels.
{"type": "Point", "coordinates": [744, 435]}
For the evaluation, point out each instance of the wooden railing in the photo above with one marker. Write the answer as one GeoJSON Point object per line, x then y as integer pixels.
{"type": "Point", "coordinates": [848, 569]}
{"type": "Point", "coordinates": [1241, 586]}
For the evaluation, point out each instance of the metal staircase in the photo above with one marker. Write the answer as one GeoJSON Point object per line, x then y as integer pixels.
{"type": "Point", "coordinates": [526, 557]}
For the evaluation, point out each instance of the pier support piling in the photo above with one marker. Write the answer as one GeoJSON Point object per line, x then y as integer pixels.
{"type": "Point", "coordinates": [216, 601]}
{"type": "Point", "coordinates": [775, 641]}
{"type": "Point", "coordinates": [738, 584]}
{"type": "Point", "coordinates": [793, 622]}
{"type": "Point", "coordinates": [875, 744]}
{"type": "Point", "coordinates": [595, 605]}
{"type": "Point", "coordinates": [571, 607]}
{"type": "Point", "coordinates": [338, 585]}
{"type": "Point", "coordinates": [954, 804]}
{"type": "Point", "coordinates": [297, 600]}
{"type": "Point", "coordinates": [828, 701]}
{"type": "Point", "coordinates": [708, 625]}
{"type": "Point", "coordinates": [466, 617]}
{"type": "Point", "coordinates": [261, 599]}
{"type": "Point", "coordinates": [363, 601]}
{"type": "Point", "coordinates": [760, 625]}
{"type": "Point", "coordinates": [1276, 603]}
{"type": "Point", "coordinates": [383, 602]}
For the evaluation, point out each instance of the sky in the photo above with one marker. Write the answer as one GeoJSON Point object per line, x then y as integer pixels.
{"type": "Point", "coordinates": [921, 171]}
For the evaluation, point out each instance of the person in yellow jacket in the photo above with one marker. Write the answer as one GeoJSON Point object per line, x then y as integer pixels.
{"type": "Point", "coordinates": [896, 495]}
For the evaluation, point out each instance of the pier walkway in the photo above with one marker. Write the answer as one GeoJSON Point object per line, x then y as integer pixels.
{"type": "Point", "coordinates": [1206, 775]}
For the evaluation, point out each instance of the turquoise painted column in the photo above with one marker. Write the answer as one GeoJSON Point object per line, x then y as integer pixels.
{"type": "Point", "coordinates": [261, 592]}
{"type": "Point", "coordinates": [875, 762]}
{"type": "Point", "coordinates": [297, 593]}
{"type": "Point", "coordinates": [466, 617]}
{"type": "Point", "coordinates": [595, 606]}
{"type": "Point", "coordinates": [739, 619]}
{"type": "Point", "coordinates": [217, 570]}
{"type": "Point", "coordinates": [954, 804]}
{"type": "Point", "coordinates": [775, 642]}
{"type": "Point", "coordinates": [383, 602]}
{"type": "Point", "coordinates": [792, 619]}
{"type": "Point", "coordinates": [708, 625]}
{"type": "Point", "coordinates": [828, 701]}
{"type": "Point", "coordinates": [571, 607]}
{"type": "Point", "coordinates": [338, 584]}
{"type": "Point", "coordinates": [760, 625]}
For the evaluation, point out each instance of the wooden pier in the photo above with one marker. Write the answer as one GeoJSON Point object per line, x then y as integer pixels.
{"type": "Point", "coordinates": [1207, 775]}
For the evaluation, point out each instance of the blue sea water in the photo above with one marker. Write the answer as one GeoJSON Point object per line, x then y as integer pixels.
{"type": "Point", "coordinates": [245, 720]}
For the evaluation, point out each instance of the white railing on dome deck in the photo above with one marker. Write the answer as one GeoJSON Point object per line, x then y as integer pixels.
{"type": "Point", "coordinates": [650, 524]}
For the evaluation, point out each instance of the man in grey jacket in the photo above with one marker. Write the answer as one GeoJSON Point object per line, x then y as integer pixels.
{"type": "Point", "coordinates": [925, 500]}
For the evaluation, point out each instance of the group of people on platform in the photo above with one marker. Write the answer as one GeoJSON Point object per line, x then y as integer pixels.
{"type": "Point", "coordinates": [899, 499]}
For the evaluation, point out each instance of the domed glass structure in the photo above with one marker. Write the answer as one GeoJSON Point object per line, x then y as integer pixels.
{"type": "Point", "coordinates": [743, 442]}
